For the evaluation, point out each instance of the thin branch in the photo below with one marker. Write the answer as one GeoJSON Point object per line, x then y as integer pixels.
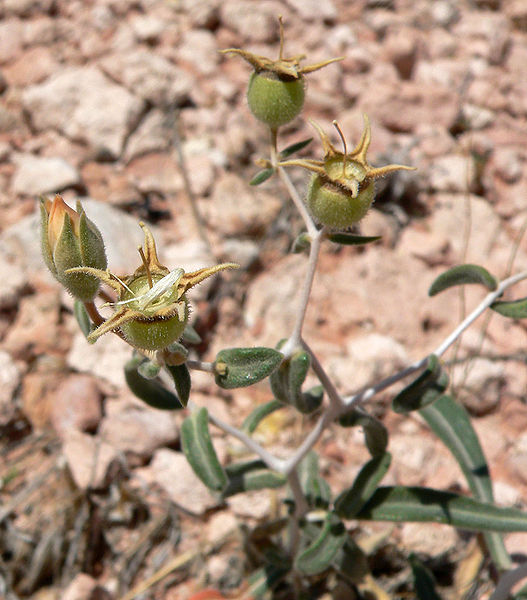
{"type": "Point", "coordinates": [508, 581]}
{"type": "Point", "coordinates": [334, 397]}
{"type": "Point", "coordinates": [295, 339]}
{"type": "Point", "coordinates": [274, 463]}
{"type": "Point", "coordinates": [295, 197]}
{"type": "Point", "coordinates": [200, 365]}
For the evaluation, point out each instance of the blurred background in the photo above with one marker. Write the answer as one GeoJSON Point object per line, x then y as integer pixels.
{"type": "Point", "coordinates": [99, 99]}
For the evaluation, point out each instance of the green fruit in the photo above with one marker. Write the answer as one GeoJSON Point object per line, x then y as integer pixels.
{"type": "Point", "coordinates": [335, 206]}
{"type": "Point", "coordinates": [150, 331]}
{"type": "Point", "coordinates": [274, 100]}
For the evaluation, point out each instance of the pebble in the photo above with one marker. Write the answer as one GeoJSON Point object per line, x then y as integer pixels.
{"type": "Point", "coordinates": [40, 175]}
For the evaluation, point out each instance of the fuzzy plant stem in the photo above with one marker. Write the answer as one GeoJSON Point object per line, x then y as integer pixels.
{"type": "Point", "coordinates": [295, 339]}
{"type": "Point", "coordinates": [300, 206]}
{"type": "Point", "coordinates": [301, 508]}
{"type": "Point", "coordinates": [508, 581]}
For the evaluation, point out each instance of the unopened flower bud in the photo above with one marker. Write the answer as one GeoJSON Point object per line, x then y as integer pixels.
{"type": "Point", "coordinates": [69, 240]}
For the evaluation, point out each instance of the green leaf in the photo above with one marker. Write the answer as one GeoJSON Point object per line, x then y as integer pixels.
{"type": "Point", "coordinates": [264, 580]}
{"type": "Point", "coordinates": [318, 556]}
{"type": "Point", "coordinates": [258, 415]}
{"type": "Point", "coordinates": [149, 369]}
{"type": "Point", "coordinates": [181, 376]}
{"type": "Point", "coordinates": [423, 580]}
{"type": "Point", "coordinates": [316, 489]}
{"type": "Point", "coordinates": [375, 433]}
{"type": "Point", "coordinates": [261, 176]}
{"type": "Point", "coordinates": [450, 422]}
{"type": "Point", "coordinates": [461, 275]}
{"type": "Point", "coordinates": [82, 317]}
{"type": "Point", "coordinates": [149, 390]}
{"type": "Point", "coordinates": [251, 475]}
{"type": "Point", "coordinates": [349, 239]}
{"type": "Point", "coordinates": [416, 504]}
{"type": "Point", "coordinates": [350, 501]}
{"type": "Point", "coordinates": [293, 148]}
{"type": "Point", "coordinates": [190, 335]}
{"type": "Point", "coordinates": [302, 243]}
{"type": "Point", "coordinates": [241, 367]}
{"type": "Point", "coordinates": [286, 383]}
{"type": "Point", "coordinates": [199, 451]}
{"type": "Point", "coordinates": [351, 562]}
{"type": "Point", "coordinates": [514, 309]}
{"type": "Point", "coordinates": [427, 388]}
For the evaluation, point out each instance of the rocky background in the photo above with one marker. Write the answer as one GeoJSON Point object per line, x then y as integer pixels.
{"type": "Point", "coordinates": [95, 495]}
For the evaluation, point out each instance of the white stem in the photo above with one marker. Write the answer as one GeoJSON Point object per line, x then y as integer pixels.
{"type": "Point", "coordinates": [334, 397]}
{"type": "Point", "coordinates": [489, 299]}
{"type": "Point", "coordinates": [507, 581]}
{"type": "Point", "coordinates": [295, 197]}
{"type": "Point", "coordinates": [295, 339]}
{"type": "Point", "coordinates": [200, 365]}
{"type": "Point", "coordinates": [274, 463]}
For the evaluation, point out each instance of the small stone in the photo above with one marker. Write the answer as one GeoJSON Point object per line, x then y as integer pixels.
{"type": "Point", "coordinates": [452, 173]}
{"type": "Point", "coordinates": [147, 28]}
{"type": "Point", "coordinates": [507, 164]}
{"type": "Point", "coordinates": [368, 359]}
{"type": "Point", "coordinates": [26, 8]}
{"type": "Point", "coordinates": [252, 505]}
{"type": "Point", "coordinates": [315, 10]}
{"type": "Point", "coordinates": [84, 587]}
{"type": "Point", "coordinates": [198, 48]}
{"type": "Point", "coordinates": [85, 105]}
{"type": "Point", "coordinates": [10, 39]}
{"type": "Point", "coordinates": [39, 175]}
{"type": "Point", "coordinates": [153, 135]}
{"type": "Point", "coordinates": [243, 252]}
{"type": "Point", "coordinates": [150, 77]}
{"type": "Point", "coordinates": [13, 282]}
{"type": "Point", "coordinates": [478, 387]}
{"type": "Point", "coordinates": [220, 525]}
{"type": "Point", "coordinates": [401, 48]}
{"type": "Point", "coordinates": [89, 460]}
{"type": "Point", "coordinates": [37, 397]}
{"type": "Point", "coordinates": [9, 381]}
{"type": "Point", "coordinates": [429, 538]}
{"type": "Point", "coordinates": [171, 471]}
{"type": "Point", "coordinates": [516, 11]}
{"type": "Point", "coordinates": [32, 66]}
{"type": "Point", "coordinates": [139, 432]}
{"type": "Point", "coordinates": [476, 117]}
{"type": "Point", "coordinates": [105, 359]}
{"type": "Point", "coordinates": [77, 405]}
{"type": "Point", "coordinates": [236, 209]}
{"type": "Point", "coordinates": [254, 22]}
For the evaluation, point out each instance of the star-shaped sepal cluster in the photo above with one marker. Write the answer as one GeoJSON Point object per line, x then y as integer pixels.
{"type": "Point", "coordinates": [276, 88]}
{"type": "Point", "coordinates": [342, 188]}
{"type": "Point", "coordinates": [151, 310]}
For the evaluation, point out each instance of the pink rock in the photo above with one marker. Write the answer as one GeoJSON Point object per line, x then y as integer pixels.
{"type": "Point", "coordinates": [254, 22]}
{"type": "Point", "coordinates": [84, 587]}
{"type": "Point", "coordinates": [31, 67]}
{"type": "Point", "coordinates": [237, 209]}
{"type": "Point", "coordinates": [76, 405]}
{"type": "Point", "coordinates": [149, 76]}
{"type": "Point", "coordinates": [84, 104]}
{"type": "Point", "coordinates": [89, 459]}
{"type": "Point", "coordinates": [10, 39]}
{"type": "Point", "coordinates": [139, 431]}
{"type": "Point", "coordinates": [401, 48]}
{"type": "Point", "coordinates": [171, 471]}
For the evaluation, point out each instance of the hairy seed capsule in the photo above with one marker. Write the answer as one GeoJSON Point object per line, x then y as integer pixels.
{"type": "Point", "coordinates": [273, 99]}
{"type": "Point", "coordinates": [335, 207]}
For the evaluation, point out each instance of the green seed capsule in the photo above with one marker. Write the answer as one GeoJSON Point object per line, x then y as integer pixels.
{"type": "Point", "coordinates": [273, 99]}
{"type": "Point", "coordinates": [335, 207]}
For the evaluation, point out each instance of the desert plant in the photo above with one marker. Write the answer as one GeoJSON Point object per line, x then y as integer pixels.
{"type": "Point", "coordinates": [311, 538]}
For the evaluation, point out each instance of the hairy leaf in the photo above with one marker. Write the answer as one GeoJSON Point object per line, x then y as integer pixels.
{"type": "Point", "coordinates": [149, 391]}
{"type": "Point", "coordinates": [258, 415]}
{"type": "Point", "coordinates": [423, 580]}
{"type": "Point", "coordinates": [261, 176]}
{"type": "Point", "coordinates": [349, 239]}
{"type": "Point", "coordinates": [199, 451]}
{"type": "Point", "coordinates": [514, 309]}
{"type": "Point", "coordinates": [82, 317]}
{"type": "Point", "coordinates": [241, 367]}
{"type": "Point", "coordinates": [375, 433]}
{"type": "Point", "coordinates": [427, 388]}
{"type": "Point", "coordinates": [350, 501]}
{"type": "Point", "coordinates": [181, 376]}
{"type": "Point", "coordinates": [293, 148]}
{"type": "Point", "coordinates": [416, 504]}
{"type": "Point", "coordinates": [319, 555]}
{"type": "Point", "coordinates": [461, 275]}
